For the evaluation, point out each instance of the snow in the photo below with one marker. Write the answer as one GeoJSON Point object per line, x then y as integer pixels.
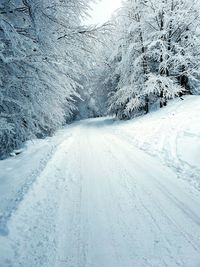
{"type": "Point", "coordinates": [17, 174]}
{"type": "Point", "coordinates": [106, 193]}
{"type": "Point", "coordinates": [172, 134]}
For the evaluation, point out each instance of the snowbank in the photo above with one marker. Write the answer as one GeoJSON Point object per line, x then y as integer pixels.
{"type": "Point", "coordinates": [172, 134]}
{"type": "Point", "coordinates": [18, 173]}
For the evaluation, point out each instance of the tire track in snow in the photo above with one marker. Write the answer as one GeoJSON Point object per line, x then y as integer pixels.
{"type": "Point", "coordinates": [99, 204]}
{"type": "Point", "coordinates": [179, 204]}
{"type": "Point", "coordinates": [31, 241]}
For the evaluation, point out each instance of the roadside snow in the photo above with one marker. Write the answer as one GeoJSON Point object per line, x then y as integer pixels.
{"type": "Point", "coordinates": [18, 173]}
{"type": "Point", "coordinates": [172, 134]}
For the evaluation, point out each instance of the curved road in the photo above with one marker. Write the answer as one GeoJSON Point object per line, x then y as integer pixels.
{"type": "Point", "coordinates": [101, 202]}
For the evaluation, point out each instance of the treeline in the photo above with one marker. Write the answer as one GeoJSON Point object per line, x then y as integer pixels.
{"type": "Point", "coordinates": [154, 56]}
{"type": "Point", "coordinates": [52, 68]}
{"type": "Point", "coordinates": [42, 54]}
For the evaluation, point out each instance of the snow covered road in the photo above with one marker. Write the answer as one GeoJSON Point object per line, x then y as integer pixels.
{"type": "Point", "coordinates": [101, 202]}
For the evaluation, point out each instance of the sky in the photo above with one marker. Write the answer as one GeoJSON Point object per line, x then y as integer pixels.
{"type": "Point", "coordinates": [102, 11]}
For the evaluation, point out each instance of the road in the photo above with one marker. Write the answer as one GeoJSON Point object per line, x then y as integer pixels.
{"type": "Point", "coordinates": [101, 202]}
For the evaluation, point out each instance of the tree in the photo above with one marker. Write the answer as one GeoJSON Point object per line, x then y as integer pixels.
{"type": "Point", "coordinates": [130, 95]}
{"type": "Point", "coordinates": [172, 47]}
{"type": "Point", "coordinates": [42, 46]}
{"type": "Point", "coordinates": [158, 43]}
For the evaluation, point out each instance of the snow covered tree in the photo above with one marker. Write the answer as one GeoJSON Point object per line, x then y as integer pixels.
{"type": "Point", "coordinates": [173, 47]}
{"type": "Point", "coordinates": [42, 46]}
{"type": "Point", "coordinates": [104, 78]}
{"type": "Point", "coordinates": [158, 43]}
{"type": "Point", "coordinates": [18, 48]}
{"type": "Point", "coordinates": [95, 86]}
{"type": "Point", "coordinates": [132, 68]}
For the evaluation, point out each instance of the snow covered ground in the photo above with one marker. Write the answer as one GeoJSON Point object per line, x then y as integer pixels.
{"type": "Point", "coordinates": [17, 174]}
{"type": "Point", "coordinates": [103, 193]}
{"type": "Point", "coordinates": [171, 134]}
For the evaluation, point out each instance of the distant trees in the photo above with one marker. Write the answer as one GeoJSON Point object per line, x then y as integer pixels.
{"type": "Point", "coordinates": [158, 48]}
{"type": "Point", "coordinates": [42, 52]}
{"type": "Point", "coordinates": [95, 85]}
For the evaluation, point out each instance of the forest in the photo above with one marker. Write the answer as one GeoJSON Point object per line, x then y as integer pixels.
{"type": "Point", "coordinates": [55, 70]}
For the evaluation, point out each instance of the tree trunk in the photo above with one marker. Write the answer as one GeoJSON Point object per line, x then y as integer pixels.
{"type": "Point", "coordinates": [146, 104]}
{"type": "Point", "coordinates": [144, 64]}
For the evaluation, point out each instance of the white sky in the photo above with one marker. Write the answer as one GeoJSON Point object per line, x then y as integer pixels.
{"type": "Point", "coordinates": [102, 11]}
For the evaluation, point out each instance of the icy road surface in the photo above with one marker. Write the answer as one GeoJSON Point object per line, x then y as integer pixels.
{"type": "Point", "coordinates": [101, 202]}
